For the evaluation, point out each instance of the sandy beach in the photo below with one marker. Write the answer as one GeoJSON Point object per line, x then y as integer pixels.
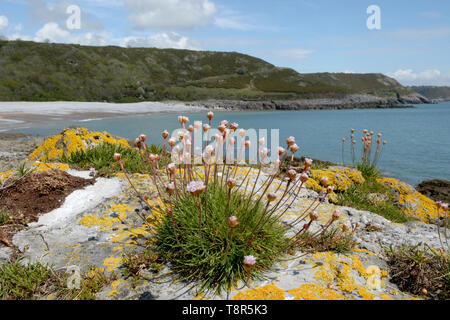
{"type": "Point", "coordinates": [16, 115]}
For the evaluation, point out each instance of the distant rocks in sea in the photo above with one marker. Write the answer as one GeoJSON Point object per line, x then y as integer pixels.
{"type": "Point", "coordinates": [438, 190]}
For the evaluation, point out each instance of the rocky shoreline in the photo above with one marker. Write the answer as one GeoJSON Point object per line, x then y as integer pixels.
{"type": "Point", "coordinates": [349, 102]}
{"type": "Point", "coordinates": [96, 226]}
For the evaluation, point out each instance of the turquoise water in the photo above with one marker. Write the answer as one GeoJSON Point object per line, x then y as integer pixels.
{"type": "Point", "coordinates": [418, 139]}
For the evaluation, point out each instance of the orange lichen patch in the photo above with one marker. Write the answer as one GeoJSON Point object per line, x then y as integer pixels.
{"type": "Point", "coordinates": [112, 263]}
{"type": "Point", "coordinates": [106, 222]}
{"type": "Point", "coordinates": [72, 140]}
{"type": "Point", "coordinates": [313, 291]}
{"type": "Point", "coordinates": [42, 166]}
{"type": "Point", "coordinates": [412, 202]}
{"type": "Point", "coordinates": [364, 250]}
{"type": "Point", "coordinates": [341, 178]}
{"type": "Point", "coordinates": [114, 285]}
{"type": "Point", "coordinates": [6, 174]}
{"type": "Point", "coordinates": [339, 271]}
{"type": "Point", "coordinates": [268, 292]}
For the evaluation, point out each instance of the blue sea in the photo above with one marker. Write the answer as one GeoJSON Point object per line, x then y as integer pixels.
{"type": "Point", "coordinates": [418, 139]}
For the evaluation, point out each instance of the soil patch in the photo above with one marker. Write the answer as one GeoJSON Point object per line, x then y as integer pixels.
{"type": "Point", "coordinates": [38, 193]}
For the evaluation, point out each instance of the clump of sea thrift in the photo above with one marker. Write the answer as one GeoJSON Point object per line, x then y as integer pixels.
{"type": "Point", "coordinates": [221, 222]}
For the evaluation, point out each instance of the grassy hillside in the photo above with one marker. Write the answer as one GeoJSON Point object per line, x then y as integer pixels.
{"type": "Point", "coordinates": [433, 92]}
{"type": "Point", "coordinates": [46, 72]}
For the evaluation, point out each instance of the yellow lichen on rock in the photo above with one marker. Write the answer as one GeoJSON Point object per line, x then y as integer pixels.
{"type": "Point", "coordinates": [341, 178]}
{"type": "Point", "coordinates": [6, 175]}
{"type": "Point", "coordinates": [42, 166]}
{"type": "Point", "coordinates": [413, 203]}
{"type": "Point", "coordinates": [112, 263]}
{"type": "Point", "coordinates": [72, 140]}
{"type": "Point", "coordinates": [268, 292]}
{"type": "Point", "coordinates": [338, 269]}
{"type": "Point", "coordinates": [313, 291]}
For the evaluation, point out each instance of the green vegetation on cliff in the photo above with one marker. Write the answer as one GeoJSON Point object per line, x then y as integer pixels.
{"type": "Point", "coordinates": [47, 72]}
{"type": "Point", "coordinates": [433, 92]}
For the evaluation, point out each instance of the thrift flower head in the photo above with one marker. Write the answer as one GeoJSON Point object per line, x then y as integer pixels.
{"type": "Point", "coordinates": [165, 134]}
{"type": "Point", "coordinates": [172, 142]}
{"type": "Point", "coordinates": [336, 214]}
{"type": "Point", "coordinates": [249, 262]}
{"type": "Point", "coordinates": [233, 222]}
{"type": "Point", "coordinates": [271, 196]}
{"type": "Point", "coordinates": [170, 188]}
{"type": "Point", "coordinates": [172, 168]}
{"type": "Point", "coordinates": [294, 148]}
{"type": "Point", "coordinates": [117, 156]}
{"type": "Point", "coordinates": [308, 162]}
{"type": "Point", "coordinates": [304, 177]}
{"type": "Point", "coordinates": [292, 174]}
{"type": "Point", "coordinates": [324, 181]}
{"type": "Point", "coordinates": [206, 127]}
{"type": "Point", "coordinates": [314, 215]}
{"type": "Point", "coordinates": [264, 153]}
{"type": "Point", "coordinates": [231, 183]}
{"type": "Point", "coordinates": [142, 137]}
{"type": "Point", "coordinates": [196, 187]}
{"type": "Point", "coordinates": [261, 141]}
{"type": "Point", "coordinates": [290, 141]}
{"type": "Point", "coordinates": [210, 115]}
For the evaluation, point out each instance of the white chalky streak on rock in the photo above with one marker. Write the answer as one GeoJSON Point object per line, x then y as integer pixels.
{"type": "Point", "coordinates": [80, 201]}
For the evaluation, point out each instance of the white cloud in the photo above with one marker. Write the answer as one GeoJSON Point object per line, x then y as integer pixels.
{"type": "Point", "coordinates": [54, 33]}
{"type": "Point", "coordinates": [161, 40]}
{"type": "Point", "coordinates": [170, 14]}
{"type": "Point", "coordinates": [3, 22]}
{"type": "Point", "coordinates": [427, 77]}
{"type": "Point", "coordinates": [294, 53]}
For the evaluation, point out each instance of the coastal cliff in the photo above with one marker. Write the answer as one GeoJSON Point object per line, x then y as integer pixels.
{"type": "Point", "coordinates": [67, 72]}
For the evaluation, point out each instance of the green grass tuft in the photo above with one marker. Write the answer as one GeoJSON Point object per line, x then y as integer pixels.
{"type": "Point", "coordinates": [358, 197]}
{"type": "Point", "coordinates": [101, 158]}
{"type": "Point", "coordinates": [369, 171]}
{"type": "Point", "coordinates": [207, 255]}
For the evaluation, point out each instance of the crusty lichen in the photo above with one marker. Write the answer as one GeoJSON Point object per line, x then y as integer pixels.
{"type": "Point", "coordinates": [69, 141]}
{"type": "Point", "coordinates": [413, 203]}
{"type": "Point", "coordinates": [268, 292]}
{"type": "Point", "coordinates": [341, 178]}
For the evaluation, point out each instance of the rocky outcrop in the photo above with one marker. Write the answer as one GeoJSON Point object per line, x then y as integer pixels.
{"type": "Point", "coordinates": [69, 141]}
{"type": "Point", "coordinates": [356, 101]}
{"type": "Point", "coordinates": [438, 190]}
{"type": "Point", "coordinates": [413, 203]}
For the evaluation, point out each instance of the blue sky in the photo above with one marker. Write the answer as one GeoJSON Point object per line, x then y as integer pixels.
{"type": "Point", "coordinates": [413, 44]}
